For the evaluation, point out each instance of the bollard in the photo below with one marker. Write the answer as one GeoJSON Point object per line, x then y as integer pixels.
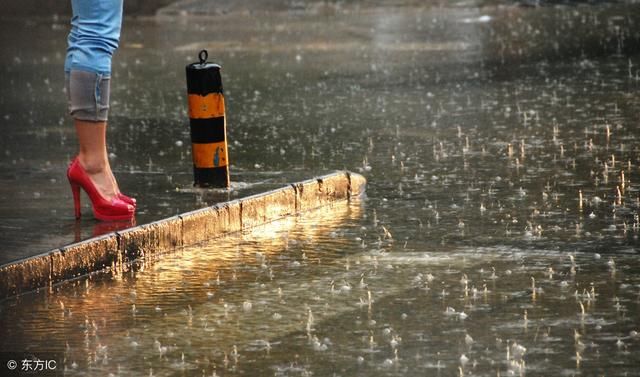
{"type": "Point", "coordinates": [207, 123]}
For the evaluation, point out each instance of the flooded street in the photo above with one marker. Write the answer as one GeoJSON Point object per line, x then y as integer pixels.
{"type": "Point", "coordinates": [298, 298]}
{"type": "Point", "coordinates": [498, 235]}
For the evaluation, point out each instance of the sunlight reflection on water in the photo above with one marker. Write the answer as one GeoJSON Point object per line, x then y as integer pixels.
{"type": "Point", "coordinates": [317, 293]}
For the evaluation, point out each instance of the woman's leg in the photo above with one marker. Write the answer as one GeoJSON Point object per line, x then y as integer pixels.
{"type": "Point", "coordinates": [93, 156]}
{"type": "Point", "coordinates": [89, 105]}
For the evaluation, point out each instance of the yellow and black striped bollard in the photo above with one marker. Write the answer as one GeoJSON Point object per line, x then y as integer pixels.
{"type": "Point", "coordinates": [207, 123]}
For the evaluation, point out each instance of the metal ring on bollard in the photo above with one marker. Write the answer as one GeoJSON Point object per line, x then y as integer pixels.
{"type": "Point", "coordinates": [203, 55]}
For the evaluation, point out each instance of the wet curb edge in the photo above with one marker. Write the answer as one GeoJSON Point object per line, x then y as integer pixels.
{"type": "Point", "coordinates": [113, 250]}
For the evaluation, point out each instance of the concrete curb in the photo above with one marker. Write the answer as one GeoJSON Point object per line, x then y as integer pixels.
{"type": "Point", "coordinates": [114, 250]}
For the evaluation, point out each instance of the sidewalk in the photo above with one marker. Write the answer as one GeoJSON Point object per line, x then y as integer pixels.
{"type": "Point", "coordinates": [148, 138]}
{"type": "Point", "coordinates": [148, 135]}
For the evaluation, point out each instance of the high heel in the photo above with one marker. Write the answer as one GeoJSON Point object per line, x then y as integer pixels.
{"type": "Point", "coordinates": [75, 189]}
{"type": "Point", "coordinates": [103, 209]}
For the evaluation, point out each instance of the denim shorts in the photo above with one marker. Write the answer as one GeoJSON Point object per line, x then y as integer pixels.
{"type": "Point", "coordinates": [88, 95]}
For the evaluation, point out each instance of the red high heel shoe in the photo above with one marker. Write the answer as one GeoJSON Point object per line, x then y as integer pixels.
{"type": "Point", "coordinates": [103, 209]}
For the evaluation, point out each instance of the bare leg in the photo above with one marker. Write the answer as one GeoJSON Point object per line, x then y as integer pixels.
{"type": "Point", "coordinates": [93, 157]}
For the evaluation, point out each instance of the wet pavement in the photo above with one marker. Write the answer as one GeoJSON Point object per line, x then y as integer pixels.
{"type": "Point", "coordinates": [148, 134]}
{"type": "Point", "coordinates": [309, 90]}
{"type": "Point", "coordinates": [500, 145]}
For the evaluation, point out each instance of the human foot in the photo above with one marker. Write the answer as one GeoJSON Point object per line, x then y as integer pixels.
{"type": "Point", "coordinates": [100, 174]}
{"type": "Point", "coordinates": [119, 194]}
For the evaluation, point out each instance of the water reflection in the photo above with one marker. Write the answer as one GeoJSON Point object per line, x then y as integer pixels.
{"type": "Point", "coordinates": [101, 227]}
{"type": "Point", "coordinates": [200, 288]}
{"type": "Point", "coordinates": [310, 295]}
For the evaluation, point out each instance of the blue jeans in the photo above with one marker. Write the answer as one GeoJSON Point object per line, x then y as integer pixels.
{"type": "Point", "coordinates": [88, 95]}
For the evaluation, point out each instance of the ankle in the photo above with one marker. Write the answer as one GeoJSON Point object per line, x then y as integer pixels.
{"type": "Point", "coordinates": [93, 166]}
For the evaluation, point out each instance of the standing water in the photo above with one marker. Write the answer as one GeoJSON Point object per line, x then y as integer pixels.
{"type": "Point", "coordinates": [500, 229]}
